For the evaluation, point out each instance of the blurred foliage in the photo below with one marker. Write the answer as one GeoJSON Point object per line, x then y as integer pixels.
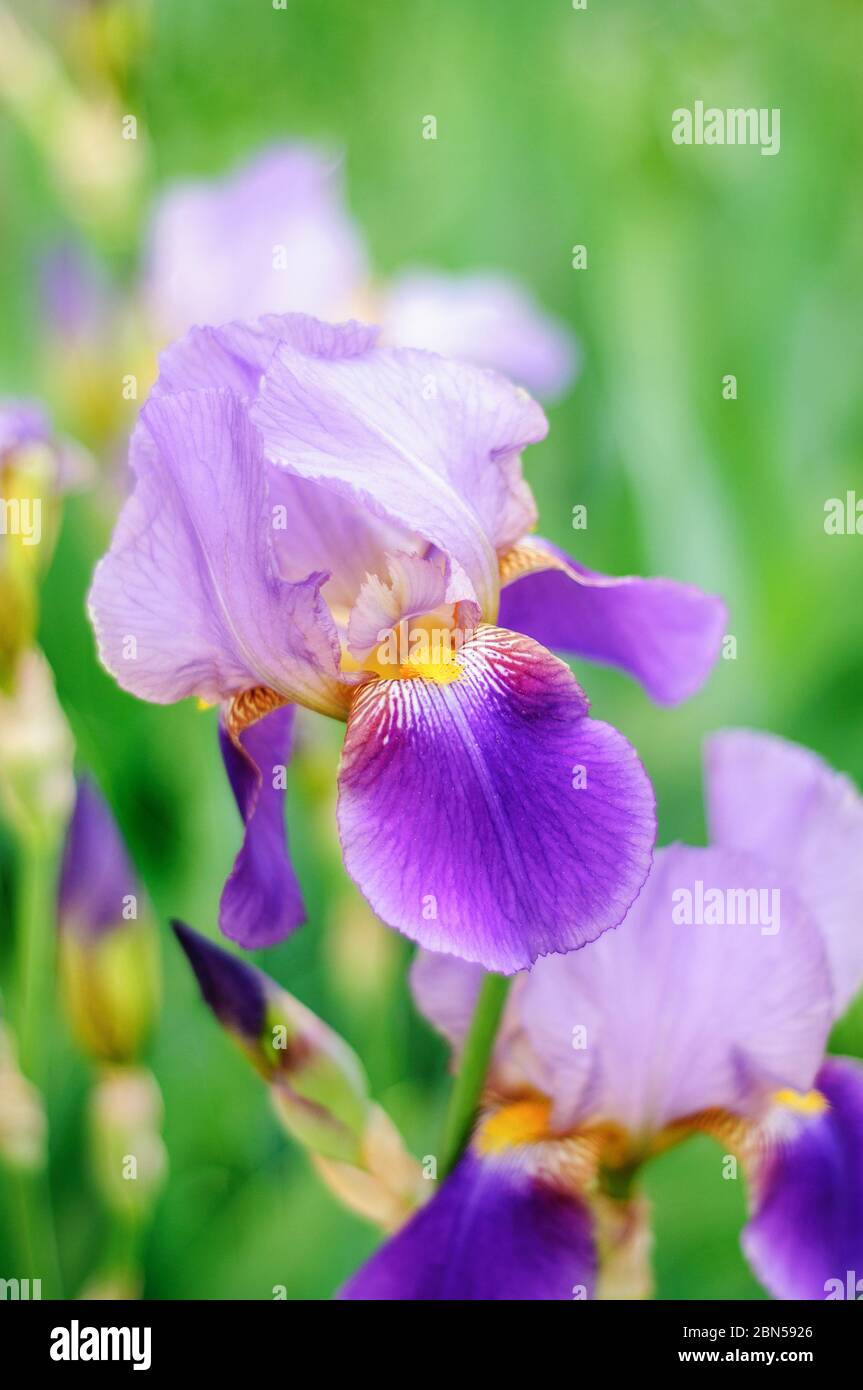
{"type": "Point", "coordinates": [553, 129]}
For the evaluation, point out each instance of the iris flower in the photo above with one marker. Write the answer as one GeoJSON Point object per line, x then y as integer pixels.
{"type": "Point", "coordinates": [662, 1030]}
{"type": "Point", "coordinates": [275, 236]}
{"type": "Point", "coordinates": [323, 522]}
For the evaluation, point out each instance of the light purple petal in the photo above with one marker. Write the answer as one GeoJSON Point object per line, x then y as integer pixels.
{"type": "Point", "coordinates": [667, 635]}
{"type": "Point", "coordinates": [805, 1238]}
{"type": "Point", "coordinates": [187, 601]}
{"type": "Point", "coordinates": [462, 811]}
{"type": "Point", "coordinates": [445, 990]}
{"type": "Point", "coordinates": [491, 1233]}
{"type": "Point", "coordinates": [678, 1017]}
{"type": "Point", "coordinates": [486, 318]}
{"type": "Point", "coordinates": [783, 803]}
{"type": "Point", "coordinates": [271, 236]}
{"type": "Point", "coordinates": [96, 876]}
{"type": "Point", "coordinates": [261, 901]}
{"type": "Point", "coordinates": [431, 445]}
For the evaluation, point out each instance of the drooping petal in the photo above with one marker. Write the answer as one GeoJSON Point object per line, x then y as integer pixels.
{"type": "Point", "coordinates": [805, 1237]}
{"type": "Point", "coordinates": [431, 445]}
{"type": "Point", "coordinates": [676, 1012]}
{"type": "Point", "coordinates": [783, 803]}
{"type": "Point", "coordinates": [488, 816]}
{"type": "Point", "coordinates": [187, 601]}
{"type": "Point", "coordinates": [664, 634]}
{"type": "Point", "coordinates": [488, 319]}
{"type": "Point", "coordinates": [96, 877]}
{"type": "Point", "coordinates": [274, 235]}
{"type": "Point", "coordinates": [492, 1232]}
{"type": "Point", "coordinates": [261, 900]}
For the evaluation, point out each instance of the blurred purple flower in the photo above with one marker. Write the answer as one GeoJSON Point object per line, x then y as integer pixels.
{"type": "Point", "coordinates": [660, 1031]}
{"type": "Point", "coordinates": [321, 521]}
{"type": "Point", "coordinates": [107, 946]}
{"type": "Point", "coordinates": [275, 236]}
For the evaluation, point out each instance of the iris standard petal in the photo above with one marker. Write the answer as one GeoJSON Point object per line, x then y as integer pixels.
{"type": "Point", "coordinates": [429, 444]}
{"type": "Point", "coordinates": [805, 1237]}
{"type": "Point", "coordinates": [261, 900]}
{"type": "Point", "coordinates": [270, 236]}
{"type": "Point", "coordinates": [489, 816]}
{"type": "Point", "coordinates": [664, 634]}
{"type": "Point", "coordinates": [783, 803]}
{"type": "Point", "coordinates": [678, 1012]}
{"type": "Point", "coordinates": [485, 318]}
{"type": "Point", "coordinates": [187, 601]}
{"type": "Point", "coordinates": [492, 1232]}
{"type": "Point", "coordinates": [96, 877]}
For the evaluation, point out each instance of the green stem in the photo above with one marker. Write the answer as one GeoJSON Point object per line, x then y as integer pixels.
{"type": "Point", "coordinates": [35, 940]}
{"type": "Point", "coordinates": [473, 1068]}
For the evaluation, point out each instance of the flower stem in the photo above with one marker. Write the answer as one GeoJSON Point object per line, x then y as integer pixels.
{"type": "Point", "coordinates": [34, 939]}
{"type": "Point", "coordinates": [473, 1068]}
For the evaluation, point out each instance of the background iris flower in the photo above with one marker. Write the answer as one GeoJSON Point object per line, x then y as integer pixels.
{"type": "Point", "coordinates": [663, 1030]}
{"type": "Point", "coordinates": [302, 497]}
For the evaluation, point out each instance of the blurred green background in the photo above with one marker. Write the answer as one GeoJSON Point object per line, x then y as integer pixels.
{"type": "Point", "coordinates": [553, 129]}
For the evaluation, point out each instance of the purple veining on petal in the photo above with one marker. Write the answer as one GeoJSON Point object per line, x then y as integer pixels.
{"type": "Point", "coordinates": [261, 900]}
{"type": "Point", "coordinates": [490, 817]}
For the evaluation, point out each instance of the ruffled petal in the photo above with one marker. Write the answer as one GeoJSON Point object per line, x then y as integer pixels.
{"type": "Point", "coordinates": [664, 634]}
{"type": "Point", "coordinates": [488, 816]}
{"type": "Point", "coordinates": [431, 445]}
{"type": "Point", "coordinates": [783, 803]}
{"type": "Point", "coordinates": [487, 319]}
{"type": "Point", "coordinates": [261, 901]}
{"type": "Point", "coordinates": [492, 1232]}
{"type": "Point", "coordinates": [676, 1012]}
{"type": "Point", "coordinates": [187, 601]}
{"type": "Point", "coordinates": [805, 1237]}
{"type": "Point", "coordinates": [271, 236]}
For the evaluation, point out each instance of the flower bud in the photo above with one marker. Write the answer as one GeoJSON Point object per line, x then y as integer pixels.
{"type": "Point", "coordinates": [108, 951]}
{"type": "Point", "coordinates": [129, 1158]}
{"type": "Point", "coordinates": [36, 783]}
{"type": "Point", "coordinates": [317, 1082]}
{"type": "Point", "coordinates": [23, 1125]}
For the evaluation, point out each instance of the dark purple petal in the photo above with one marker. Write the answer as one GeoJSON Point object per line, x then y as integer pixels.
{"type": "Point", "coordinates": [489, 817]}
{"type": "Point", "coordinates": [785, 804]}
{"type": "Point", "coordinates": [491, 1233]}
{"type": "Point", "coordinates": [805, 1238]}
{"type": "Point", "coordinates": [235, 991]}
{"type": "Point", "coordinates": [96, 876]}
{"type": "Point", "coordinates": [188, 601]}
{"type": "Point", "coordinates": [667, 635]}
{"type": "Point", "coordinates": [261, 901]}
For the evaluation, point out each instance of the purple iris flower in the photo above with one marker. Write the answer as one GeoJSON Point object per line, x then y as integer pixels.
{"type": "Point", "coordinates": [323, 522]}
{"type": "Point", "coordinates": [708, 1013]}
{"type": "Point", "coordinates": [97, 881]}
{"type": "Point", "coordinates": [275, 236]}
